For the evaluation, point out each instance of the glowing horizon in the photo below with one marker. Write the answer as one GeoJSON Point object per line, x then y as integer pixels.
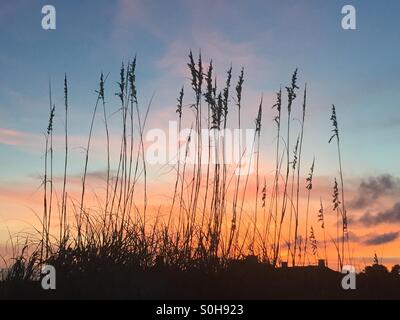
{"type": "Point", "coordinates": [346, 68]}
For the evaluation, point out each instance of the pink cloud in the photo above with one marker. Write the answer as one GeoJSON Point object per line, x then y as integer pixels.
{"type": "Point", "coordinates": [33, 141]}
{"type": "Point", "coordinates": [18, 138]}
{"type": "Point", "coordinates": [215, 46]}
{"type": "Point", "coordinates": [130, 15]}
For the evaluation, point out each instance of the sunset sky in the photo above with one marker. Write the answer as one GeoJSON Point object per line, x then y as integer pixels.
{"type": "Point", "coordinates": [357, 70]}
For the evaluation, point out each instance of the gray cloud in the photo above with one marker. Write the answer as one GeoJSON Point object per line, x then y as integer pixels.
{"type": "Point", "coordinates": [373, 188]}
{"type": "Point", "coordinates": [353, 237]}
{"type": "Point", "coordinates": [371, 239]}
{"type": "Point", "coordinates": [391, 215]}
{"type": "Point", "coordinates": [381, 239]}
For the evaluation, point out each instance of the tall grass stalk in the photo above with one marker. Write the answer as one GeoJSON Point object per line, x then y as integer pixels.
{"type": "Point", "coordinates": [63, 217]}
{"type": "Point", "coordinates": [298, 174]}
{"type": "Point", "coordinates": [239, 88]}
{"type": "Point", "coordinates": [87, 152]}
{"type": "Point", "coordinates": [335, 131]}
{"type": "Point", "coordinates": [294, 163]}
{"type": "Point", "coordinates": [291, 92]}
{"type": "Point", "coordinates": [321, 218]}
{"type": "Point", "coordinates": [309, 187]}
{"type": "Point", "coordinates": [258, 133]}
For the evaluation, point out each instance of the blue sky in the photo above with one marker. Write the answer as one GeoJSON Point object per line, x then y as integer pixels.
{"type": "Point", "coordinates": [357, 70]}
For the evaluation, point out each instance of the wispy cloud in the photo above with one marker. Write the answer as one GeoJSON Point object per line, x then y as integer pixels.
{"type": "Point", "coordinates": [371, 239]}
{"type": "Point", "coordinates": [33, 141]}
{"type": "Point", "coordinates": [372, 188]}
{"type": "Point", "coordinates": [213, 44]}
{"type": "Point", "coordinates": [134, 15]}
{"type": "Point", "coordinates": [381, 239]}
{"type": "Point", "coordinates": [391, 215]}
{"type": "Point", "coordinates": [15, 138]}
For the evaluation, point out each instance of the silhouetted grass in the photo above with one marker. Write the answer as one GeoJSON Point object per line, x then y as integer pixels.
{"type": "Point", "coordinates": [205, 242]}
